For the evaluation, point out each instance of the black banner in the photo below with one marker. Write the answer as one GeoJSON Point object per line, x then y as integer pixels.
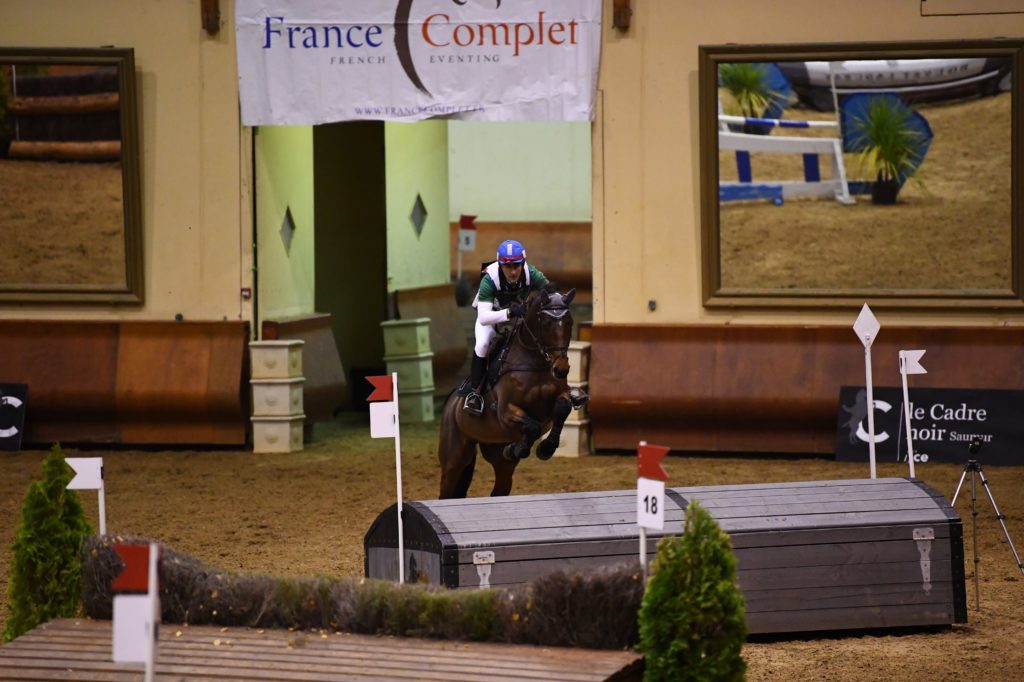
{"type": "Point", "coordinates": [943, 423]}
{"type": "Point", "coordinates": [13, 403]}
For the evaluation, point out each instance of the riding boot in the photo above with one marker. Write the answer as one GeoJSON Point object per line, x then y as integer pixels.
{"type": "Point", "coordinates": [474, 402]}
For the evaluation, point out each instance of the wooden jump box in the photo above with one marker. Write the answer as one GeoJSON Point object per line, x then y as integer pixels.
{"type": "Point", "coordinates": [813, 555]}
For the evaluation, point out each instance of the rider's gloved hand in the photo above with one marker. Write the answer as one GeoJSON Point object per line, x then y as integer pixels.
{"type": "Point", "coordinates": [516, 309]}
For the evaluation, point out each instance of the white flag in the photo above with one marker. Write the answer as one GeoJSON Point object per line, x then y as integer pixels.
{"type": "Point", "coordinates": [88, 473]}
{"type": "Point", "coordinates": [910, 362]}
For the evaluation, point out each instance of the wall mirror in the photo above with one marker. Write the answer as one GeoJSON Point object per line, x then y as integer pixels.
{"type": "Point", "coordinates": [70, 208]}
{"type": "Point", "coordinates": [835, 174]}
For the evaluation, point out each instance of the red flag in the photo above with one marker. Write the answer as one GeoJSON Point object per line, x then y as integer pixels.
{"type": "Point", "coordinates": [382, 388]}
{"type": "Point", "coordinates": [649, 462]}
{"type": "Point", "coordinates": [466, 222]}
{"type": "Point", "coordinates": [135, 576]}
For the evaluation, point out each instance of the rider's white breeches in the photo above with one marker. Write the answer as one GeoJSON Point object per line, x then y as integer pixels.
{"type": "Point", "coordinates": [484, 336]}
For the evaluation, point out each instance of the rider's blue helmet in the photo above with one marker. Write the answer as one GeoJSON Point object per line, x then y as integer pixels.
{"type": "Point", "coordinates": [511, 251]}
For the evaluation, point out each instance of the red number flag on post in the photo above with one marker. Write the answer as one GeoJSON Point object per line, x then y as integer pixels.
{"type": "Point", "coordinates": [649, 462]}
{"type": "Point", "coordinates": [383, 412]}
{"type": "Point", "coordinates": [382, 388]}
{"type": "Point", "coordinates": [135, 575]}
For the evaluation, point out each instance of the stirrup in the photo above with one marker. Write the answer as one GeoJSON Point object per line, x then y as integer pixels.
{"type": "Point", "coordinates": [474, 404]}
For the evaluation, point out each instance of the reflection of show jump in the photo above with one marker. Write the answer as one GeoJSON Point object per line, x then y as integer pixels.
{"type": "Point", "coordinates": [811, 148]}
{"type": "Point", "coordinates": [63, 112]}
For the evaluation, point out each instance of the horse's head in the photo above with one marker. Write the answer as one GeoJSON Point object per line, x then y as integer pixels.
{"type": "Point", "coordinates": [550, 322]}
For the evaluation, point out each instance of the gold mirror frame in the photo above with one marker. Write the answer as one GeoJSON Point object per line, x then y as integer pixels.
{"type": "Point", "coordinates": [715, 295]}
{"type": "Point", "coordinates": [130, 289]}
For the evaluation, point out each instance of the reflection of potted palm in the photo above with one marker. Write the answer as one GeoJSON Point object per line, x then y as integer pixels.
{"type": "Point", "coordinates": [889, 144]}
{"type": "Point", "coordinates": [751, 95]}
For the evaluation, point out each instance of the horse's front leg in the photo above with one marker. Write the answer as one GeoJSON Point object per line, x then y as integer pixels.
{"type": "Point", "coordinates": [547, 447]}
{"type": "Point", "coordinates": [529, 428]}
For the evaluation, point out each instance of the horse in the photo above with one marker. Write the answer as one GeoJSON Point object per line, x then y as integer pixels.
{"type": "Point", "coordinates": [529, 395]}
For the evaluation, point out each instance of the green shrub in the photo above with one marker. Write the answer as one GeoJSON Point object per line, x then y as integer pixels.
{"type": "Point", "coordinates": [46, 575]}
{"type": "Point", "coordinates": [692, 622]}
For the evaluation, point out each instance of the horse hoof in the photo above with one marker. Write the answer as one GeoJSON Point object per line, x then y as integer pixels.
{"type": "Point", "coordinates": [508, 453]}
{"type": "Point", "coordinates": [545, 450]}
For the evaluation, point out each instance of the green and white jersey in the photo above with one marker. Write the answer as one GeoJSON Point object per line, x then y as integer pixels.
{"type": "Point", "coordinates": [495, 289]}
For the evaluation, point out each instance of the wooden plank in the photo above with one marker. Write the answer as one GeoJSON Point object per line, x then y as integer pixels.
{"type": "Point", "coordinates": [80, 650]}
{"type": "Point", "coordinates": [821, 576]}
{"type": "Point", "coordinates": [845, 596]}
{"type": "Point", "coordinates": [849, 619]}
{"type": "Point", "coordinates": [602, 516]}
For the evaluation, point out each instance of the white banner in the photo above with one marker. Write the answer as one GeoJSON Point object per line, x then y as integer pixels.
{"type": "Point", "coordinates": [303, 62]}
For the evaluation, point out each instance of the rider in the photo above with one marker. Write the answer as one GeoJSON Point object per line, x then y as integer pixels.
{"type": "Point", "coordinates": [505, 285]}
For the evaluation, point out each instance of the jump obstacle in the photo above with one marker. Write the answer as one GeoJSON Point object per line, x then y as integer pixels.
{"type": "Point", "coordinates": [811, 148]}
{"type": "Point", "coordinates": [813, 555]}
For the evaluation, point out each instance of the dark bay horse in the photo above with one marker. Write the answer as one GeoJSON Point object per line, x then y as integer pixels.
{"type": "Point", "coordinates": [529, 396]}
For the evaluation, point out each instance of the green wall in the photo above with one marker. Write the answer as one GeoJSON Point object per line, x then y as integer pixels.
{"type": "Point", "coordinates": [284, 181]}
{"type": "Point", "coordinates": [416, 162]}
{"type": "Point", "coordinates": [520, 171]}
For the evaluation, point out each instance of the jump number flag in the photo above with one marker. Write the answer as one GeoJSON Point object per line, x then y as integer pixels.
{"type": "Point", "coordinates": [137, 614]}
{"type": "Point", "coordinates": [650, 493]}
{"type": "Point", "coordinates": [384, 424]}
{"type": "Point", "coordinates": [910, 363]}
{"type": "Point", "coordinates": [467, 239]}
{"type": "Point", "coordinates": [867, 327]}
{"type": "Point", "coordinates": [89, 476]}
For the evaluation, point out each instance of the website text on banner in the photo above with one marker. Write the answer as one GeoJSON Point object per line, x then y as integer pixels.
{"type": "Point", "coordinates": [304, 62]}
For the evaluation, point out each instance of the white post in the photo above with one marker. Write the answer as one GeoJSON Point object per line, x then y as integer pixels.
{"type": "Point", "coordinates": [906, 413]}
{"type": "Point", "coordinates": [871, 409]}
{"type": "Point", "coordinates": [398, 478]}
{"type": "Point", "coordinates": [643, 549]}
{"type": "Point", "coordinates": [103, 508]}
{"type": "Point", "coordinates": [643, 531]}
{"type": "Point", "coordinates": [154, 609]}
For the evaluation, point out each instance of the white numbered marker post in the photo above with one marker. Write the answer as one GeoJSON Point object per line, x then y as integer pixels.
{"type": "Point", "coordinates": [467, 240]}
{"type": "Point", "coordinates": [867, 327]}
{"type": "Point", "coordinates": [650, 493]}
{"type": "Point", "coordinates": [384, 424]}
{"type": "Point", "coordinates": [910, 363]}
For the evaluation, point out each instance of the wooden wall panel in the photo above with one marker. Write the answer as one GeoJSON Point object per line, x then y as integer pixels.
{"type": "Point", "coordinates": [768, 388]}
{"type": "Point", "coordinates": [69, 369]}
{"type": "Point", "coordinates": [183, 382]}
{"type": "Point", "coordinates": [130, 382]}
{"type": "Point", "coordinates": [448, 340]}
{"type": "Point", "coordinates": [325, 388]}
{"type": "Point", "coordinates": [562, 250]}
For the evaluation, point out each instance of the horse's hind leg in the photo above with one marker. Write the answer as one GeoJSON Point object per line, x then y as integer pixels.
{"type": "Point", "coordinates": [457, 465]}
{"type": "Point", "coordinates": [456, 455]}
{"type": "Point", "coordinates": [503, 468]}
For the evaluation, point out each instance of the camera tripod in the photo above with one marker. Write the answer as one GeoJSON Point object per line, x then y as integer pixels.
{"type": "Point", "coordinates": [974, 467]}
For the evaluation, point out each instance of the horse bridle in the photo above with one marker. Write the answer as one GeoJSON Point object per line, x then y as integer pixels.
{"type": "Point", "coordinates": [557, 312]}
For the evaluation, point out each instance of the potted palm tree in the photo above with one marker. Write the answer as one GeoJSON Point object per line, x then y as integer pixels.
{"type": "Point", "coordinates": [754, 90]}
{"type": "Point", "coordinates": [889, 138]}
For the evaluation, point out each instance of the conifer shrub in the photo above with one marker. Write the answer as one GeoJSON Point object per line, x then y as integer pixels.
{"type": "Point", "coordinates": [46, 570]}
{"type": "Point", "coordinates": [692, 620]}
